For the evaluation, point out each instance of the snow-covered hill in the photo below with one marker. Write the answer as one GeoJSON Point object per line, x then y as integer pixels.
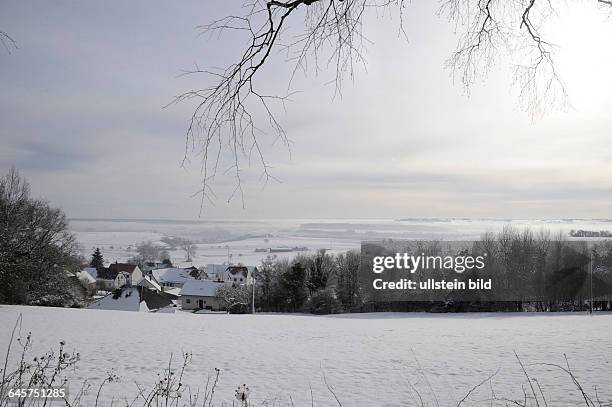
{"type": "Point", "coordinates": [368, 359]}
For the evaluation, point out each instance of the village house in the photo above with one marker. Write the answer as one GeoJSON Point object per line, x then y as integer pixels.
{"type": "Point", "coordinates": [107, 279]}
{"type": "Point", "coordinates": [115, 276]}
{"type": "Point", "coordinates": [194, 272]}
{"type": "Point", "coordinates": [215, 272]}
{"type": "Point", "coordinates": [201, 294]}
{"type": "Point", "coordinates": [149, 282]}
{"type": "Point", "coordinates": [132, 271]}
{"type": "Point", "coordinates": [231, 273]}
{"type": "Point", "coordinates": [87, 278]}
{"type": "Point", "coordinates": [172, 277]}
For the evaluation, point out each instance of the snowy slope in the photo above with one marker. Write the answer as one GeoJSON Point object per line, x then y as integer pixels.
{"type": "Point", "coordinates": [368, 359]}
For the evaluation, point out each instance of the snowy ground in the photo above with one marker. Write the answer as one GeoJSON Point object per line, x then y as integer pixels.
{"type": "Point", "coordinates": [368, 359]}
{"type": "Point", "coordinates": [215, 238]}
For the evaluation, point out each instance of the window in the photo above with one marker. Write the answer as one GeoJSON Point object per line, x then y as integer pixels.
{"type": "Point", "coordinates": [188, 300]}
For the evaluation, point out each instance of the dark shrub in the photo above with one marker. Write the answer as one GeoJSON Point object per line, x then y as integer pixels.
{"type": "Point", "coordinates": [323, 302]}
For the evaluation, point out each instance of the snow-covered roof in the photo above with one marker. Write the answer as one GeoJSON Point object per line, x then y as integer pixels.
{"type": "Point", "coordinates": [86, 277]}
{"type": "Point", "coordinates": [123, 268]}
{"type": "Point", "coordinates": [171, 275]}
{"type": "Point", "coordinates": [130, 299]}
{"type": "Point", "coordinates": [176, 291]}
{"type": "Point", "coordinates": [147, 281]}
{"type": "Point", "coordinates": [202, 288]}
{"type": "Point", "coordinates": [92, 271]}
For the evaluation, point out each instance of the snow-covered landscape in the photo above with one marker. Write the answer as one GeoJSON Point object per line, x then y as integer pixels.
{"type": "Point", "coordinates": [306, 203]}
{"type": "Point", "coordinates": [361, 359]}
{"type": "Point", "coordinates": [215, 239]}
{"type": "Point", "coordinates": [385, 359]}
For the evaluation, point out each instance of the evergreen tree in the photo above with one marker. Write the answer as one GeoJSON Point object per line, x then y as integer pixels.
{"type": "Point", "coordinates": [293, 283]}
{"type": "Point", "coordinates": [97, 261]}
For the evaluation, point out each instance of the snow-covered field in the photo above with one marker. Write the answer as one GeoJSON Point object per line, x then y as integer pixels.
{"type": "Point", "coordinates": [368, 359]}
{"type": "Point", "coordinates": [216, 238]}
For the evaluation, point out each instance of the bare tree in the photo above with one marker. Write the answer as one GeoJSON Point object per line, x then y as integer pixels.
{"type": "Point", "coordinates": [329, 33]}
{"type": "Point", "coordinates": [189, 248]}
{"type": "Point", "coordinates": [235, 298]}
{"type": "Point", "coordinates": [347, 281]}
{"type": "Point", "coordinates": [148, 252]}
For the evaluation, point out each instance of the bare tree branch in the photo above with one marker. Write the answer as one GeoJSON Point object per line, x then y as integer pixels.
{"type": "Point", "coordinates": [7, 41]}
{"type": "Point", "coordinates": [227, 115]}
{"type": "Point", "coordinates": [232, 115]}
{"type": "Point", "coordinates": [490, 31]}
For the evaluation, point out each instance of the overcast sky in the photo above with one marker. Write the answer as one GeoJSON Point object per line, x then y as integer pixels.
{"type": "Point", "coordinates": [82, 117]}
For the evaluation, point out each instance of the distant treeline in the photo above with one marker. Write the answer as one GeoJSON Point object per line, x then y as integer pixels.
{"type": "Point", "coordinates": [535, 272]}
